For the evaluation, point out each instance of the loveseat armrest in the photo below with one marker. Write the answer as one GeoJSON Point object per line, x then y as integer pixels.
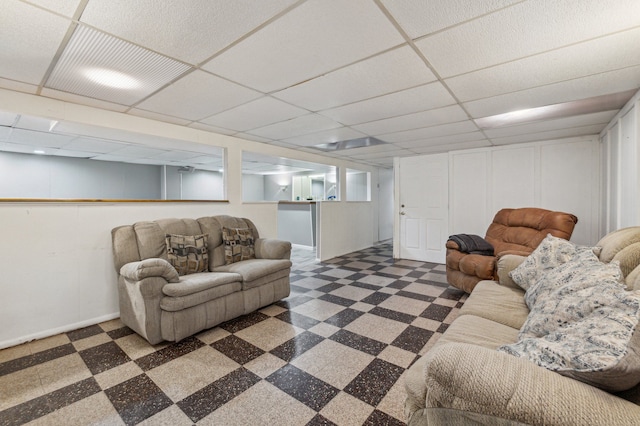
{"type": "Point", "coordinates": [270, 248]}
{"type": "Point", "coordinates": [472, 378]}
{"type": "Point", "coordinates": [148, 268]}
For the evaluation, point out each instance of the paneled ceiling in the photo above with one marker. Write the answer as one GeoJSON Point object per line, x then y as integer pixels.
{"type": "Point", "coordinates": [414, 74]}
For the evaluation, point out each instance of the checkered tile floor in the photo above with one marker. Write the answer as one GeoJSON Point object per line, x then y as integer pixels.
{"type": "Point", "coordinates": [334, 352]}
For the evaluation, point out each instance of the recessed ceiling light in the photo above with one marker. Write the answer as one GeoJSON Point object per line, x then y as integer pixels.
{"type": "Point", "coordinates": [38, 151]}
{"type": "Point", "coordinates": [348, 144]}
{"type": "Point", "coordinates": [111, 78]}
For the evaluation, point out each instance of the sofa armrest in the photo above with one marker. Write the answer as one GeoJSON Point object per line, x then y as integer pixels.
{"type": "Point", "coordinates": [147, 268]}
{"type": "Point", "coordinates": [506, 264]}
{"type": "Point", "coordinates": [269, 248]}
{"type": "Point", "coordinates": [481, 380]}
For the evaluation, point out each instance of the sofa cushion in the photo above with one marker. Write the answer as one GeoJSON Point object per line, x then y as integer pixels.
{"type": "Point", "coordinates": [187, 253]}
{"type": "Point", "coordinates": [551, 252]}
{"type": "Point", "coordinates": [253, 269]}
{"type": "Point", "coordinates": [178, 303]}
{"type": "Point", "coordinates": [583, 325]}
{"type": "Point", "coordinates": [197, 282]}
{"type": "Point", "coordinates": [495, 302]}
{"type": "Point", "coordinates": [238, 244]}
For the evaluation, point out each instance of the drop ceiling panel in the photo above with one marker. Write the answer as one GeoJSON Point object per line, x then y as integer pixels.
{"type": "Point", "coordinates": [596, 56]}
{"type": "Point", "coordinates": [176, 155]}
{"type": "Point", "coordinates": [525, 29]}
{"type": "Point", "coordinates": [82, 100]}
{"type": "Point", "coordinates": [137, 151]}
{"type": "Point", "coordinates": [443, 140]}
{"type": "Point", "coordinates": [38, 139]}
{"type": "Point", "coordinates": [304, 125]}
{"type": "Point", "coordinates": [429, 96]}
{"type": "Point", "coordinates": [312, 39]}
{"type": "Point", "coordinates": [7, 118]}
{"type": "Point", "coordinates": [97, 146]}
{"type": "Point", "coordinates": [418, 18]}
{"type": "Point", "coordinates": [416, 120]}
{"type": "Point", "coordinates": [16, 147]}
{"type": "Point", "coordinates": [396, 70]}
{"type": "Point", "coordinates": [175, 29]}
{"type": "Point", "coordinates": [326, 136]}
{"type": "Point", "coordinates": [198, 95]}
{"type": "Point", "coordinates": [254, 114]}
{"type": "Point", "coordinates": [431, 132]}
{"type": "Point", "coordinates": [29, 40]}
{"type": "Point", "coordinates": [64, 7]}
{"type": "Point", "coordinates": [582, 88]}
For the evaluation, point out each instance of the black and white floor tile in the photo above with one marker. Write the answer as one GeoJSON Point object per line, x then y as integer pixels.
{"type": "Point", "coordinates": [333, 353]}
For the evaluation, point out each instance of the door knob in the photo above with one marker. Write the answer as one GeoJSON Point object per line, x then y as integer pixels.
{"type": "Point", "coordinates": [402, 213]}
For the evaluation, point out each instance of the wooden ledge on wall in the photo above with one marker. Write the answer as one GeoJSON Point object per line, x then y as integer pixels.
{"type": "Point", "coordinates": [100, 200]}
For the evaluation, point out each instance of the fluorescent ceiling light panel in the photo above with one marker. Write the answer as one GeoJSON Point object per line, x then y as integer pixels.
{"type": "Point", "coordinates": [99, 66]}
{"type": "Point", "coordinates": [568, 109]}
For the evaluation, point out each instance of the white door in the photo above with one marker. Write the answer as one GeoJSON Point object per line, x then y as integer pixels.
{"type": "Point", "coordinates": [423, 207]}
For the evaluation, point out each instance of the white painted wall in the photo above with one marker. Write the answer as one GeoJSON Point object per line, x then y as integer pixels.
{"type": "Point", "coordinates": [560, 175]}
{"type": "Point", "coordinates": [620, 148]}
{"type": "Point", "coordinates": [57, 267]}
{"type": "Point", "coordinates": [385, 203]}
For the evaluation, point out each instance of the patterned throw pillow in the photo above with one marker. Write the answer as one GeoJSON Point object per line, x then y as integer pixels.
{"type": "Point", "coordinates": [584, 325]}
{"type": "Point", "coordinates": [188, 253]}
{"type": "Point", "coordinates": [551, 252]}
{"type": "Point", "coordinates": [238, 244]}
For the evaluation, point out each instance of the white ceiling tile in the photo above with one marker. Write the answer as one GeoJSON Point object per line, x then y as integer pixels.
{"type": "Point", "coordinates": [429, 96]}
{"type": "Point", "coordinates": [158, 117]}
{"type": "Point", "coordinates": [572, 90]}
{"type": "Point", "coordinates": [137, 151]}
{"type": "Point", "coordinates": [109, 157]}
{"type": "Point", "coordinates": [69, 153]}
{"type": "Point", "coordinates": [303, 125]}
{"type": "Point", "coordinates": [82, 100]}
{"type": "Point", "coordinates": [17, 147]}
{"type": "Point", "coordinates": [550, 135]}
{"type": "Point", "coordinates": [396, 70]}
{"type": "Point", "coordinates": [30, 122]}
{"type": "Point", "coordinates": [258, 113]}
{"type": "Point", "coordinates": [525, 29]}
{"type": "Point", "coordinates": [18, 86]}
{"type": "Point", "coordinates": [560, 123]}
{"type": "Point", "coordinates": [443, 140]}
{"type": "Point", "coordinates": [198, 95]}
{"type": "Point", "coordinates": [418, 18]}
{"type": "Point", "coordinates": [431, 132]}
{"type": "Point", "coordinates": [34, 138]}
{"type": "Point", "coordinates": [176, 155]}
{"type": "Point", "coordinates": [435, 149]}
{"type": "Point", "coordinates": [64, 7]}
{"type": "Point", "coordinates": [8, 118]}
{"type": "Point", "coordinates": [190, 31]}
{"type": "Point", "coordinates": [416, 120]}
{"type": "Point", "coordinates": [326, 136]}
{"type": "Point", "coordinates": [592, 57]}
{"type": "Point", "coordinates": [98, 146]}
{"type": "Point", "coordinates": [29, 40]}
{"type": "Point", "coordinates": [316, 37]}
{"type": "Point", "coordinates": [205, 159]}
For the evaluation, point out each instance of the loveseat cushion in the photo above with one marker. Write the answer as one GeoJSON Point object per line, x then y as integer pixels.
{"type": "Point", "coordinates": [254, 269]}
{"type": "Point", "coordinates": [195, 289]}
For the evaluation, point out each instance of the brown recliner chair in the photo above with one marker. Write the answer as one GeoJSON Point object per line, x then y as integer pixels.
{"type": "Point", "coordinates": [513, 231]}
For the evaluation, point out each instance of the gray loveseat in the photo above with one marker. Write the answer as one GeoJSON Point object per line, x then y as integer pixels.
{"type": "Point", "coordinates": [160, 304]}
{"type": "Point", "coordinates": [464, 379]}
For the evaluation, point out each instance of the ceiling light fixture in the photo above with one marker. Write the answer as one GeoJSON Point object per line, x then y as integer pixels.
{"type": "Point", "coordinates": [348, 144]}
{"type": "Point", "coordinates": [567, 109]}
{"type": "Point", "coordinates": [53, 125]}
{"type": "Point", "coordinates": [111, 78]}
{"type": "Point", "coordinates": [38, 151]}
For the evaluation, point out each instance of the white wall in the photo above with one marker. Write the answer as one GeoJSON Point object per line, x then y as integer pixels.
{"type": "Point", "coordinates": [252, 188]}
{"type": "Point", "coordinates": [385, 196]}
{"type": "Point", "coordinates": [620, 148]}
{"type": "Point", "coordinates": [57, 267]}
{"type": "Point", "coordinates": [560, 175]}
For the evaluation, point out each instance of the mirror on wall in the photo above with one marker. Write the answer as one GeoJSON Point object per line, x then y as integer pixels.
{"type": "Point", "coordinates": [269, 178]}
{"type": "Point", "coordinates": [48, 159]}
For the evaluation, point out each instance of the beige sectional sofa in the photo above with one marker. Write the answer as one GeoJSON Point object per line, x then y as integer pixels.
{"type": "Point", "coordinates": [465, 379]}
{"type": "Point", "coordinates": [177, 277]}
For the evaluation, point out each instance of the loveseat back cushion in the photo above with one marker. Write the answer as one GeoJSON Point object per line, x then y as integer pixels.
{"type": "Point", "coordinates": [124, 246]}
{"type": "Point", "coordinates": [151, 241]}
{"type": "Point", "coordinates": [213, 225]}
{"type": "Point", "coordinates": [524, 228]}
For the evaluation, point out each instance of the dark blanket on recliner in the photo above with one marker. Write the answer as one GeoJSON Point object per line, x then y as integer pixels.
{"type": "Point", "coordinates": [473, 244]}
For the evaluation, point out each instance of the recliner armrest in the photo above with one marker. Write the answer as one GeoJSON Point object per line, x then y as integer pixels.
{"type": "Point", "coordinates": [270, 248]}
{"type": "Point", "coordinates": [147, 268]}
